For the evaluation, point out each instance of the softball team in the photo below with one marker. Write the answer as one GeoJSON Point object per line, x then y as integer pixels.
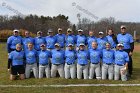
{"type": "Point", "coordinates": [71, 56]}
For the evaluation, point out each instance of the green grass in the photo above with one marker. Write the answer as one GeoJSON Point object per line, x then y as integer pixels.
{"type": "Point", "coordinates": [4, 80]}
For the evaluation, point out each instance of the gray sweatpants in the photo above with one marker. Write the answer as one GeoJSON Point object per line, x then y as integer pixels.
{"type": "Point", "coordinates": [45, 69]}
{"type": "Point", "coordinates": [118, 73]}
{"type": "Point", "coordinates": [107, 70]}
{"type": "Point", "coordinates": [70, 71]}
{"type": "Point", "coordinates": [29, 68]}
{"type": "Point", "coordinates": [95, 70]}
{"type": "Point", "coordinates": [59, 68]}
{"type": "Point", "coordinates": [82, 69]}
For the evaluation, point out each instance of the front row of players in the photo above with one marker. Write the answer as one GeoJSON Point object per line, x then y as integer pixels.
{"type": "Point", "coordinates": [107, 64]}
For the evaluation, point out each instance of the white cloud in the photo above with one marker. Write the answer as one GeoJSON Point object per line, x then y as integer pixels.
{"type": "Point", "coordinates": [124, 10]}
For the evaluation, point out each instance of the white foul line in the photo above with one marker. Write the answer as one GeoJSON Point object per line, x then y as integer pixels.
{"type": "Point", "coordinates": [69, 85]}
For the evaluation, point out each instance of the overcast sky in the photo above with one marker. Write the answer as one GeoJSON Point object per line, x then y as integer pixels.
{"type": "Point", "coordinates": [123, 10]}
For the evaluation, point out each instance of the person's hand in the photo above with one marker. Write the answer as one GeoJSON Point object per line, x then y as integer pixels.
{"type": "Point", "coordinates": [123, 70]}
{"type": "Point", "coordinates": [8, 54]}
{"type": "Point", "coordinates": [130, 53]}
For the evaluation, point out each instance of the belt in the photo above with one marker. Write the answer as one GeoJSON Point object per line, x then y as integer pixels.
{"type": "Point", "coordinates": [43, 64]}
{"type": "Point", "coordinates": [70, 63]}
{"type": "Point", "coordinates": [108, 63]}
{"type": "Point", "coordinates": [82, 64]}
{"type": "Point", "coordinates": [57, 64]}
{"type": "Point", "coordinates": [30, 63]}
{"type": "Point", "coordinates": [120, 64]}
{"type": "Point", "coordinates": [95, 63]}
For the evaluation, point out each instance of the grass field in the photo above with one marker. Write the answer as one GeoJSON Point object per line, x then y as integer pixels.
{"type": "Point", "coordinates": [4, 80]}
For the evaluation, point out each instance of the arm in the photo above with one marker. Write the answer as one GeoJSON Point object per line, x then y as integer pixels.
{"type": "Point", "coordinates": [9, 63]}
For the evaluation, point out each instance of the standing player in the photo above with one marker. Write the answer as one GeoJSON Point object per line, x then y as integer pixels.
{"type": "Point", "coordinates": [13, 40]}
{"type": "Point", "coordinates": [108, 61]}
{"type": "Point", "coordinates": [95, 57]}
{"type": "Point", "coordinates": [80, 38]}
{"type": "Point", "coordinates": [50, 40]}
{"type": "Point", "coordinates": [91, 38]}
{"type": "Point", "coordinates": [44, 56]}
{"type": "Point", "coordinates": [31, 63]}
{"type": "Point", "coordinates": [82, 62]}
{"type": "Point", "coordinates": [127, 40]}
{"type": "Point", "coordinates": [60, 38]}
{"type": "Point", "coordinates": [70, 38]}
{"type": "Point", "coordinates": [112, 39]}
{"type": "Point", "coordinates": [39, 40]}
{"type": "Point", "coordinates": [121, 63]}
{"type": "Point", "coordinates": [26, 40]}
{"type": "Point", "coordinates": [57, 61]}
{"type": "Point", "coordinates": [101, 41]}
{"type": "Point", "coordinates": [16, 63]}
{"type": "Point", "coordinates": [70, 58]}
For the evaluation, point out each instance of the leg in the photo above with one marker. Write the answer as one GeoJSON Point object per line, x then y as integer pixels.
{"type": "Point", "coordinates": [110, 72]}
{"type": "Point", "coordinates": [79, 71]}
{"type": "Point", "coordinates": [123, 75]}
{"type": "Point", "coordinates": [35, 70]}
{"type": "Point", "coordinates": [104, 71]}
{"type": "Point", "coordinates": [27, 71]}
{"type": "Point", "coordinates": [85, 71]}
{"type": "Point", "coordinates": [91, 71]}
{"type": "Point", "coordinates": [117, 72]}
{"type": "Point", "coordinates": [12, 77]}
{"type": "Point", "coordinates": [21, 76]}
{"type": "Point", "coordinates": [61, 71]}
{"type": "Point", "coordinates": [47, 70]}
{"type": "Point", "coordinates": [67, 71]}
{"type": "Point", "coordinates": [98, 71]}
{"type": "Point", "coordinates": [73, 71]}
{"type": "Point", "coordinates": [41, 71]}
{"type": "Point", "coordinates": [53, 70]}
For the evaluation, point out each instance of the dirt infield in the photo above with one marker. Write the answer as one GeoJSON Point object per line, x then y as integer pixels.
{"type": "Point", "coordinates": [137, 48]}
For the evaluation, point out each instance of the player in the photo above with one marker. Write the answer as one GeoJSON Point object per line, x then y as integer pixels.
{"type": "Point", "coordinates": [95, 57]}
{"type": "Point", "coordinates": [121, 63]}
{"type": "Point", "coordinates": [31, 63]}
{"type": "Point", "coordinates": [70, 64]}
{"type": "Point", "coordinates": [16, 63]}
{"type": "Point", "coordinates": [58, 56]}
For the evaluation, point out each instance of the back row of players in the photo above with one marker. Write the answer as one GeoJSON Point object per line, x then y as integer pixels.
{"type": "Point", "coordinates": [87, 48]}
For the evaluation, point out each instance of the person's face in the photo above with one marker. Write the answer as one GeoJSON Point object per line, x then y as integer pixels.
{"type": "Point", "coordinates": [59, 31]}
{"type": "Point", "coordinates": [16, 33]}
{"type": "Point", "coordinates": [94, 45]}
{"type": "Point", "coordinates": [30, 46]}
{"type": "Point", "coordinates": [107, 46]}
{"type": "Point", "coordinates": [57, 47]}
{"type": "Point", "coordinates": [80, 32]}
{"type": "Point", "coordinates": [43, 47]}
{"type": "Point", "coordinates": [51, 33]}
{"type": "Point", "coordinates": [110, 32]}
{"type": "Point", "coordinates": [69, 32]}
{"type": "Point", "coordinates": [27, 34]}
{"type": "Point", "coordinates": [82, 47]}
{"type": "Point", "coordinates": [123, 30]}
{"type": "Point", "coordinates": [101, 35]}
{"type": "Point", "coordinates": [120, 47]}
{"type": "Point", "coordinates": [39, 34]}
{"type": "Point", "coordinates": [18, 47]}
{"type": "Point", "coordinates": [91, 33]}
{"type": "Point", "coordinates": [70, 47]}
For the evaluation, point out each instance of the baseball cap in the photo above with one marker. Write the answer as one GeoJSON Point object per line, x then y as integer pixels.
{"type": "Point", "coordinates": [57, 44]}
{"type": "Point", "coordinates": [42, 45]}
{"type": "Point", "coordinates": [69, 29]}
{"type": "Point", "coordinates": [120, 44]}
{"type": "Point", "coordinates": [101, 33]}
{"type": "Point", "coordinates": [80, 30]}
{"type": "Point", "coordinates": [39, 32]}
{"type": "Point", "coordinates": [15, 30]}
{"type": "Point", "coordinates": [123, 26]}
{"type": "Point", "coordinates": [50, 30]}
{"type": "Point", "coordinates": [70, 44]}
{"type": "Point", "coordinates": [59, 29]}
{"type": "Point", "coordinates": [81, 44]}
